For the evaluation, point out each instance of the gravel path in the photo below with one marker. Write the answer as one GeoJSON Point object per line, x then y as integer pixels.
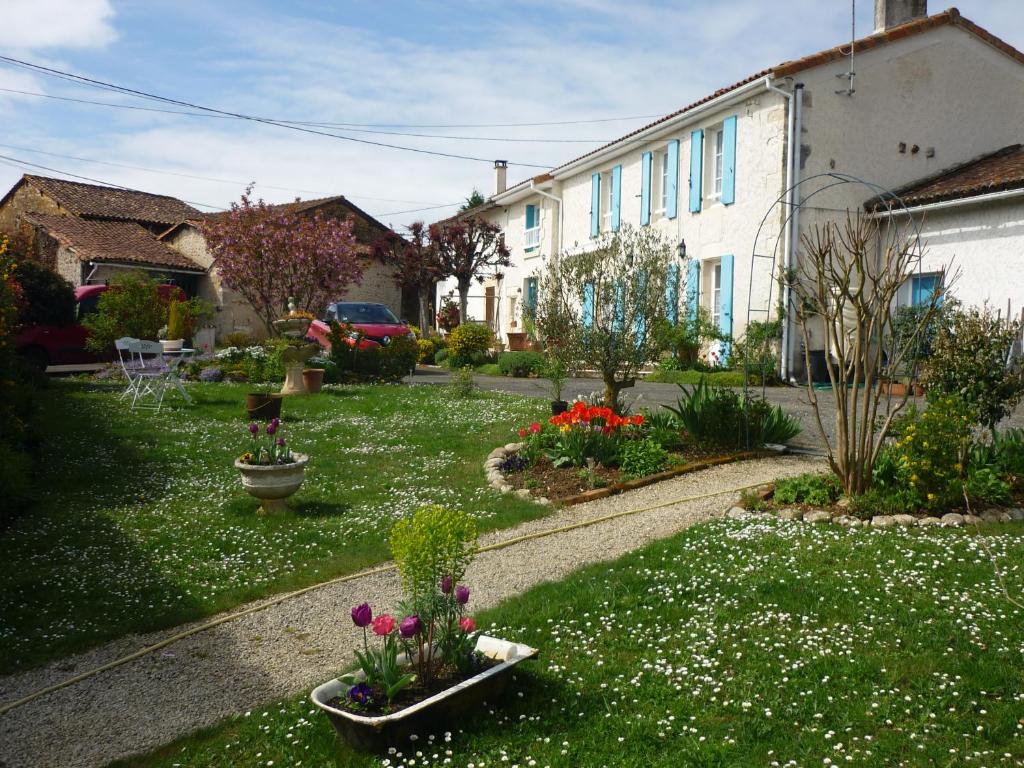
{"type": "Point", "coordinates": [291, 647]}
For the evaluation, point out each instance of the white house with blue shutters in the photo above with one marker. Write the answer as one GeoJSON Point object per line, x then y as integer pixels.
{"type": "Point", "coordinates": [928, 93]}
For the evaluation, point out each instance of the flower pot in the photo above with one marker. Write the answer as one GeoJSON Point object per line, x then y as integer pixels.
{"type": "Point", "coordinates": [433, 715]}
{"type": "Point", "coordinates": [518, 342]}
{"type": "Point", "coordinates": [313, 379]}
{"type": "Point", "coordinates": [172, 345]}
{"type": "Point", "coordinates": [263, 406]}
{"type": "Point", "coordinates": [273, 483]}
{"type": "Point", "coordinates": [559, 406]}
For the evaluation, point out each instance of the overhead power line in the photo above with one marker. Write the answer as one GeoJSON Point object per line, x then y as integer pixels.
{"type": "Point", "coordinates": [207, 178]}
{"type": "Point", "coordinates": [416, 210]}
{"type": "Point", "coordinates": [339, 126]}
{"type": "Point", "coordinates": [101, 84]}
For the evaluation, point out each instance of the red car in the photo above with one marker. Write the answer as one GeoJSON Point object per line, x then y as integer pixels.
{"type": "Point", "coordinates": [373, 324]}
{"type": "Point", "coordinates": [45, 345]}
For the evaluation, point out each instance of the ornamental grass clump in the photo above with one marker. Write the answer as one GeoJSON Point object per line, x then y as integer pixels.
{"type": "Point", "coordinates": [432, 550]}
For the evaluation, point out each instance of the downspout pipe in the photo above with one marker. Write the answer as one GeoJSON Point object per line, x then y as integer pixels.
{"type": "Point", "coordinates": [558, 200]}
{"type": "Point", "coordinates": [794, 223]}
{"type": "Point", "coordinates": [787, 234]}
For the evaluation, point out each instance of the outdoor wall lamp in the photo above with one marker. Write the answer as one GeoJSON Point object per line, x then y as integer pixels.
{"type": "Point", "coordinates": [681, 248]}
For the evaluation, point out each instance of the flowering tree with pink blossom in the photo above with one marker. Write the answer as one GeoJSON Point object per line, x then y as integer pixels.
{"type": "Point", "coordinates": [269, 254]}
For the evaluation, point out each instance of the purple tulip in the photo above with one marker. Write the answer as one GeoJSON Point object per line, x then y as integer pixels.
{"type": "Point", "coordinates": [410, 626]}
{"type": "Point", "coordinates": [280, 442]}
{"type": "Point", "coordinates": [461, 595]}
{"type": "Point", "coordinates": [446, 584]}
{"type": "Point", "coordinates": [362, 615]}
{"type": "Point", "coordinates": [271, 428]}
{"type": "Point", "coordinates": [254, 428]}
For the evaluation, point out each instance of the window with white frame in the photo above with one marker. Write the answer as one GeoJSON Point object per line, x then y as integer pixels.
{"type": "Point", "coordinates": [715, 296]}
{"type": "Point", "coordinates": [717, 162]}
{"type": "Point", "coordinates": [662, 182]}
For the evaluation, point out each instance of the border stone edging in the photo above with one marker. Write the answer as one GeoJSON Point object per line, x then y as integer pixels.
{"type": "Point", "coordinates": [948, 520]}
{"type": "Point", "coordinates": [497, 479]}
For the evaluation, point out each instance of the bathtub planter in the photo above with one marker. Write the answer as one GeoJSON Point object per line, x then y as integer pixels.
{"type": "Point", "coordinates": [273, 483]}
{"type": "Point", "coordinates": [375, 733]}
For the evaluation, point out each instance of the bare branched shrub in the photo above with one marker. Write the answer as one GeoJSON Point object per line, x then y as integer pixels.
{"type": "Point", "coordinates": [845, 288]}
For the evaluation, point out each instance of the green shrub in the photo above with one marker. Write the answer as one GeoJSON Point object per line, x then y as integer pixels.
{"type": "Point", "coordinates": [756, 351]}
{"type": "Point", "coordinates": [462, 383]}
{"type": "Point", "coordinates": [239, 339]}
{"type": "Point", "coordinates": [427, 350]}
{"type": "Point", "coordinates": [884, 501]}
{"type": "Point", "coordinates": [48, 299]}
{"type": "Point", "coordinates": [432, 544]}
{"type": "Point", "coordinates": [469, 339]}
{"type": "Point", "coordinates": [15, 471]}
{"type": "Point", "coordinates": [814, 488]}
{"type": "Point", "coordinates": [931, 449]}
{"type": "Point", "coordinates": [639, 458]}
{"type": "Point", "coordinates": [520, 364]}
{"type": "Point", "coordinates": [398, 359]}
{"type": "Point", "coordinates": [132, 307]}
{"type": "Point", "coordinates": [985, 486]}
{"type": "Point", "coordinates": [440, 356]}
{"type": "Point", "coordinates": [692, 375]}
{"type": "Point", "coordinates": [664, 428]}
{"type": "Point", "coordinates": [969, 359]}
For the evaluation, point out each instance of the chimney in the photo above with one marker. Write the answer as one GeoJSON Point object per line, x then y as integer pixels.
{"type": "Point", "coordinates": [500, 176]}
{"type": "Point", "coordinates": [892, 13]}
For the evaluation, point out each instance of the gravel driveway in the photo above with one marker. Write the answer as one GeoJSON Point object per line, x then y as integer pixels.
{"type": "Point", "coordinates": [289, 648]}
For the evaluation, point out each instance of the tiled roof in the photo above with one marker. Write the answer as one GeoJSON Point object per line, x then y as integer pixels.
{"type": "Point", "coordinates": [994, 172]}
{"type": "Point", "coordinates": [94, 200]}
{"type": "Point", "coordinates": [301, 206]}
{"type": "Point", "coordinates": [121, 242]}
{"type": "Point", "coordinates": [789, 68]}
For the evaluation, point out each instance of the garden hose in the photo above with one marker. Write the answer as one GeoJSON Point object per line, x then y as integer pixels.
{"type": "Point", "coordinates": [340, 580]}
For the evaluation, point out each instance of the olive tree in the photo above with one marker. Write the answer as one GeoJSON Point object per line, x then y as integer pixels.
{"type": "Point", "coordinates": [844, 293]}
{"type": "Point", "coordinates": [602, 308]}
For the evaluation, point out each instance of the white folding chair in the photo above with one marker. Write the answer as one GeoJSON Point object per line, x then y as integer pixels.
{"type": "Point", "coordinates": [129, 365]}
{"type": "Point", "coordinates": [151, 371]}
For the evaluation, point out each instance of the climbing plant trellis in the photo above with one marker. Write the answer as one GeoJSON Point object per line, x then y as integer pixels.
{"type": "Point", "coordinates": [794, 199]}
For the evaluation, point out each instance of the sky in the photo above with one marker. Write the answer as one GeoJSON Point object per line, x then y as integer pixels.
{"type": "Point", "coordinates": [470, 75]}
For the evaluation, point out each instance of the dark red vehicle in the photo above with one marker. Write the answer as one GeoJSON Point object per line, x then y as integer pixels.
{"type": "Point", "coordinates": [46, 345]}
{"type": "Point", "coordinates": [373, 324]}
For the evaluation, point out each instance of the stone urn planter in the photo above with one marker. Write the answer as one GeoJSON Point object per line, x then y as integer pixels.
{"type": "Point", "coordinates": [273, 483]}
{"type": "Point", "coordinates": [313, 379]}
{"type": "Point", "coordinates": [442, 711]}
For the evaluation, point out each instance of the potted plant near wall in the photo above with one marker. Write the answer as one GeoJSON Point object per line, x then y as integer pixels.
{"type": "Point", "coordinates": [422, 670]}
{"type": "Point", "coordinates": [176, 330]}
{"type": "Point", "coordinates": [554, 370]}
{"type": "Point", "coordinates": [270, 471]}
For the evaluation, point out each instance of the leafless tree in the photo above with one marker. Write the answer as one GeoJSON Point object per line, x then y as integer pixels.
{"type": "Point", "coordinates": [845, 290]}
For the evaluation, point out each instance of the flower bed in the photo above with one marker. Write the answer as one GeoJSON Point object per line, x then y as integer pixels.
{"type": "Point", "coordinates": [590, 451]}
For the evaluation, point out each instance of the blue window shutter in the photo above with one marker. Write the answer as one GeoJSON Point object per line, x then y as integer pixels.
{"type": "Point", "coordinates": [672, 295]}
{"type": "Point", "coordinates": [588, 305]}
{"type": "Point", "coordinates": [725, 320]}
{"type": "Point", "coordinates": [645, 188]}
{"type": "Point", "coordinates": [696, 169]}
{"type": "Point", "coordinates": [692, 289]}
{"type": "Point", "coordinates": [616, 197]}
{"type": "Point", "coordinates": [531, 216]}
{"type": "Point", "coordinates": [671, 204]}
{"type": "Point", "coordinates": [595, 205]}
{"type": "Point", "coordinates": [729, 161]}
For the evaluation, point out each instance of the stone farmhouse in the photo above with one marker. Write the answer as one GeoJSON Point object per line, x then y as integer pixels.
{"type": "Point", "coordinates": [928, 107]}
{"type": "Point", "coordinates": [88, 233]}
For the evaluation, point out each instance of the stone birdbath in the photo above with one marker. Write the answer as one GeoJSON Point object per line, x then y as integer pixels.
{"type": "Point", "coordinates": [294, 326]}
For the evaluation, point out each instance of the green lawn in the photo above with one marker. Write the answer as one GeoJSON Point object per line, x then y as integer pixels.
{"type": "Point", "coordinates": [733, 644]}
{"type": "Point", "coordinates": [689, 378]}
{"type": "Point", "coordinates": [142, 522]}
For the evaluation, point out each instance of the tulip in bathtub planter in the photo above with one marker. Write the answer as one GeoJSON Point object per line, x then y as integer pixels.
{"type": "Point", "coordinates": [438, 713]}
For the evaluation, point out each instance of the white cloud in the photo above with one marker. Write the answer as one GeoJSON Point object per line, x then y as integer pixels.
{"type": "Point", "coordinates": [38, 24]}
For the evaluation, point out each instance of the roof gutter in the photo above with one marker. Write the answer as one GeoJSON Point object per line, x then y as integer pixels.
{"type": "Point", "coordinates": [955, 203]}
{"type": "Point", "coordinates": [146, 268]}
{"type": "Point", "coordinates": [663, 127]}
